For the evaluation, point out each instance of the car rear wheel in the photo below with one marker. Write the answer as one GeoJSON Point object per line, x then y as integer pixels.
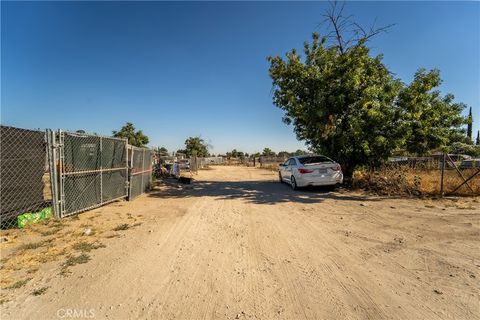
{"type": "Point", "coordinates": [293, 183]}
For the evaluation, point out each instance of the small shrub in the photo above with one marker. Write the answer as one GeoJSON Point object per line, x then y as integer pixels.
{"type": "Point", "coordinates": [404, 180]}
{"type": "Point", "coordinates": [71, 261]}
{"type": "Point", "coordinates": [39, 291]}
{"type": "Point", "coordinates": [31, 246]}
{"type": "Point", "coordinates": [120, 227]}
{"type": "Point", "coordinates": [87, 247]}
{"type": "Point", "coordinates": [19, 284]}
{"type": "Point", "coordinates": [115, 235]}
{"type": "Point", "coordinates": [50, 232]}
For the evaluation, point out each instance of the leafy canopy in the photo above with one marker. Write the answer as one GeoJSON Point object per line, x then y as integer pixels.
{"type": "Point", "coordinates": [135, 138]}
{"type": "Point", "coordinates": [267, 152]}
{"type": "Point", "coordinates": [429, 121]}
{"type": "Point", "coordinates": [196, 146]}
{"type": "Point", "coordinates": [345, 103]}
{"type": "Point", "coordinates": [162, 151]}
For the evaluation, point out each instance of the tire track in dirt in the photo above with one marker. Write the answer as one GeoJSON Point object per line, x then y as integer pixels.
{"type": "Point", "coordinates": [241, 247]}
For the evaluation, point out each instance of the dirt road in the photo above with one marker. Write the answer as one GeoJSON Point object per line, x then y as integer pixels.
{"type": "Point", "coordinates": [240, 245]}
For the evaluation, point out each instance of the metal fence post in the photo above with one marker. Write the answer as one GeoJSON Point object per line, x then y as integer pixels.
{"type": "Point", "coordinates": [143, 169]}
{"type": "Point", "coordinates": [127, 171]}
{"type": "Point", "coordinates": [442, 176]}
{"type": "Point", "coordinates": [101, 170]}
{"type": "Point", "coordinates": [52, 166]}
{"type": "Point", "coordinates": [61, 169]}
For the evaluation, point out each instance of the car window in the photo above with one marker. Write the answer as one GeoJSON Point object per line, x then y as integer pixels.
{"type": "Point", "coordinates": [315, 159]}
{"type": "Point", "coordinates": [292, 162]}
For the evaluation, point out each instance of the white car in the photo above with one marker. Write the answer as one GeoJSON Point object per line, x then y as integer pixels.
{"type": "Point", "coordinates": [303, 171]}
{"type": "Point", "coordinates": [184, 164]}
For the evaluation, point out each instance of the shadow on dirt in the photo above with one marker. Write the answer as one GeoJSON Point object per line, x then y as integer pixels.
{"type": "Point", "coordinates": [259, 192]}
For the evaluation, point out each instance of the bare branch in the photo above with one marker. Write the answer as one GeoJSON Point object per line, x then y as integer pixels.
{"type": "Point", "coordinates": [343, 31]}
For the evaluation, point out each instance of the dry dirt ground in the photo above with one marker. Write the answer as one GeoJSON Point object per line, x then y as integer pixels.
{"type": "Point", "coordinates": [237, 244]}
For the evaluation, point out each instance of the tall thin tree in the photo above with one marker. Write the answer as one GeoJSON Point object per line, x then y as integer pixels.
{"type": "Point", "coordinates": [469, 126]}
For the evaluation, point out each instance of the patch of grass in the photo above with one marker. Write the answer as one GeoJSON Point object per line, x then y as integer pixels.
{"type": "Point", "coordinates": [39, 291]}
{"type": "Point", "coordinates": [71, 261]}
{"type": "Point", "coordinates": [64, 272]}
{"type": "Point", "coordinates": [404, 180]}
{"type": "Point", "coordinates": [4, 260]}
{"type": "Point", "coordinates": [31, 245]}
{"type": "Point", "coordinates": [87, 247]}
{"type": "Point", "coordinates": [51, 256]}
{"type": "Point", "coordinates": [33, 270]}
{"type": "Point", "coordinates": [120, 227]}
{"type": "Point", "coordinates": [19, 284]}
{"type": "Point", "coordinates": [50, 232]}
{"type": "Point", "coordinates": [115, 235]}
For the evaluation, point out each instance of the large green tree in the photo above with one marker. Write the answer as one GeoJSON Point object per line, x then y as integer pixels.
{"type": "Point", "coordinates": [267, 152]}
{"type": "Point", "coordinates": [196, 146]}
{"type": "Point", "coordinates": [345, 103]}
{"type": "Point", "coordinates": [283, 154]}
{"type": "Point", "coordinates": [162, 151]}
{"type": "Point", "coordinates": [300, 152]}
{"type": "Point", "coordinates": [135, 138]}
{"type": "Point", "coordinates": [429, 120]}
{"type": "Point", "coordinates": [341, 104]}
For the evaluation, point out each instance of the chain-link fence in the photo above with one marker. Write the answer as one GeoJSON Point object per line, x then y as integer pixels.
{"type": "Point", "coordinates": [66, 173]}
{"type": "Point", "coordinates": [24, 177]}
{"type": "Point", "coordinates": [196, 163]}
{"type": "Point", "coordinates": [270, 161]}
{"type": "Point", "coordinates": [92, 171]}
{"type": "Point", "coordinates": [140, 163]}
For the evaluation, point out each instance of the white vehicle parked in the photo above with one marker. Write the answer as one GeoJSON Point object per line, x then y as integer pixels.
{"type": "Point", "coordinates": [303, 171]}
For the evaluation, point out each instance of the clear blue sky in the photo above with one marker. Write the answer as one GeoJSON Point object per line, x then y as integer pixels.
{"type": "Point", "coordinates": [182, 69]}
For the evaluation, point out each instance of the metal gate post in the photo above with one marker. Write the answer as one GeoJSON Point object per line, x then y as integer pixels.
{"type": "Point", "coordinates": [52, 166]}
{"type": "Point", "coordinates": [61, 170]}
{"type": "Point", "coordinates": [127, 176]}
{"type": "Point", "coordinates": [443, 171]}
{"type": "Point", "coordinates": [143, 169]}
{"type": "Point", "coordinates": [132, 150]}
{"type": "Point", "coordinates": [151, 166]}
{"type": "Point", "coordinates": [101, 171]}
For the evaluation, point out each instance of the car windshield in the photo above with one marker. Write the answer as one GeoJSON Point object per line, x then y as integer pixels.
{"type": "Point", "coordinates": [315, 159]}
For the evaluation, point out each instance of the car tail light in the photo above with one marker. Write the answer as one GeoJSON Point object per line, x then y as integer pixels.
{"type": "Point", "coordinates": [338, 168]}
{"type": "Point", "coordinates": [303, 171]}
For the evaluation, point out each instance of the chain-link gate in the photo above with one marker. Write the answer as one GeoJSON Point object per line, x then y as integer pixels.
{"type": "Point", "coordinates": [92, 171]}
{"type": "Point", "coordinates": [24, 178]}
{"type": "Point", "coordinates": [140, 160]}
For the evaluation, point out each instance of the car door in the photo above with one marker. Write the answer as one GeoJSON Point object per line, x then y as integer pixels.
{"type": "Point", "coordinates": [283, 169]}
{"type": "Point", "coordinates": [289, 168]}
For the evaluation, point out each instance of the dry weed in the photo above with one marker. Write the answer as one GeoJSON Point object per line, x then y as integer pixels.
{"type": "Point", "coordinates": [414, 182]}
